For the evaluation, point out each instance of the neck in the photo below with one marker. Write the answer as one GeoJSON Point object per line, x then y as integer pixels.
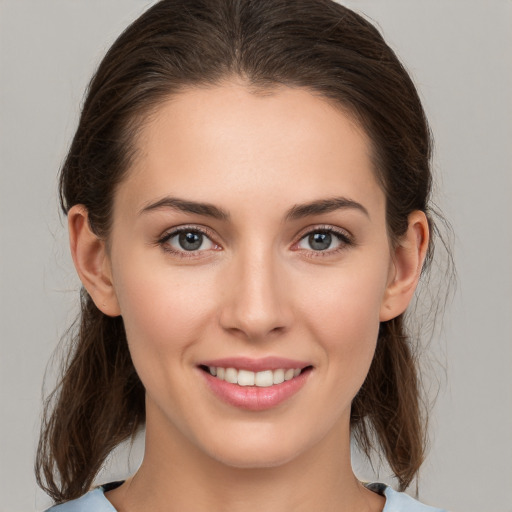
{"type": "Point", "coordinates": [176, 475]}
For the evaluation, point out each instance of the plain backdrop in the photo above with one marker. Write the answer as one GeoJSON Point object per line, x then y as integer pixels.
{"type": "Point", "coordinates": [459, 54]}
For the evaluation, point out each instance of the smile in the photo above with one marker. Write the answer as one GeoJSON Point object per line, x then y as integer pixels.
{"type": "Point", "coordinates": [262, 379]}
{"type": "Point", "coordinates": [255, 384]}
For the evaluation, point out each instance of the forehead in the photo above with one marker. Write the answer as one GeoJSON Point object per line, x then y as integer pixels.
{"type": "Point", "coordinates": [228, 141]}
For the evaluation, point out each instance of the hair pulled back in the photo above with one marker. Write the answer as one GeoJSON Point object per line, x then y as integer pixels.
{"type": "Point", "coordinates": [315, 44]}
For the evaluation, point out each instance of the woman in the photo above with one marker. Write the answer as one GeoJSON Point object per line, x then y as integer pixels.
{"type": "Point", "coordinates": [248, 203]}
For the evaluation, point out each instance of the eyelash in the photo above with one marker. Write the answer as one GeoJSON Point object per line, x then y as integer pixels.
{"type": "Point", "coordinates": [345, 239]}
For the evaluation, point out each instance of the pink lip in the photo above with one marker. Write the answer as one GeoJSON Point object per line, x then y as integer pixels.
{"type": "Point", "coordinates": [253, 398]}
{"type": "Point", "coordinates": [255, 365]}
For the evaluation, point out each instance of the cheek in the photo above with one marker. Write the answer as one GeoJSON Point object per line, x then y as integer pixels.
{"type": "Point", "coordinates": [348, 301]}
{"type": "Point", "coordinates": [164, 315]}
{"type": "Point", "coordinates": [344, 315]}
{"type": "Point", "coordinates": [163, 311]}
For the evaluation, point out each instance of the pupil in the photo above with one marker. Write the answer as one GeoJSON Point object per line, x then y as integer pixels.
{"type": "Point", "coordinates": [190, 241]}
{"type": "Point", "coordinates": [320, 241]}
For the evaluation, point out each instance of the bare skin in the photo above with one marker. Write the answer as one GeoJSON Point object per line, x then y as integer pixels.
{"type": "Point", "coordinates": [257, 284]}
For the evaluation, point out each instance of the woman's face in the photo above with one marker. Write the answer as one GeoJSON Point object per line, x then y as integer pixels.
{"type": "Point", "coordinates": [250, 234]}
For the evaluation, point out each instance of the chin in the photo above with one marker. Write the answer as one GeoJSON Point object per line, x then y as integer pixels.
{"type": "Point", "coordinates": [269, 451]}
{"type": "Point", "coordinates": [249, 459]}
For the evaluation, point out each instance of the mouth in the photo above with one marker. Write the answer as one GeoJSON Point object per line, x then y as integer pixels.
{"type": "Point", "coordinates": [255, 384]}
{"type": "Point", "coordinates": [262, 379]}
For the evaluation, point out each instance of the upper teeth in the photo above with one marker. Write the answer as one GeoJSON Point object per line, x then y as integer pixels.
{"type": "Point", "coordinates": [262, 379]}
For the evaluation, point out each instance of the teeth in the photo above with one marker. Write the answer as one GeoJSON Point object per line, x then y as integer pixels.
{"type": "Point", "coordinates": [231, 376]}
{"type": "Point", "coordinates": [288, 374]}
{"type": "Point", "coordinates": [278, 376]}
{"type": "Point", "coordinates": [245, 378]}
{"type": "Point", "coordinates": [263, 379]}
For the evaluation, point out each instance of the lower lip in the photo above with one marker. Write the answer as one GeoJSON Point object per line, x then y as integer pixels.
{"type": "Point", "coordinates": [253, 398]}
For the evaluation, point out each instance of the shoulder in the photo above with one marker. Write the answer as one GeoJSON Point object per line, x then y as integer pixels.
{"type": "Point", "coordinates": [399, 501]}
{"type": "Point", "coordinates": [93, 501]}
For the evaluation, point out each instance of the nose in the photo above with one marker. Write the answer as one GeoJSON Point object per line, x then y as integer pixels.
{"type": "Point", "coordinates": [256, 304]}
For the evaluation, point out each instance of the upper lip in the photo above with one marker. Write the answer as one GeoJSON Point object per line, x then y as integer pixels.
{"type": "Point", "coordinates": [255, 365]}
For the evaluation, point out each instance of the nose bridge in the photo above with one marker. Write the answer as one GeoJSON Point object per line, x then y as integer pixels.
{"type": "Point", "coordinates": [257, 304]}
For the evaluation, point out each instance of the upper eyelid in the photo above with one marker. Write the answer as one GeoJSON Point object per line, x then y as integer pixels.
{"type": "Point", "coordinates": [169, 233]}
{"type": "Point", "coordinates": [324, 227]}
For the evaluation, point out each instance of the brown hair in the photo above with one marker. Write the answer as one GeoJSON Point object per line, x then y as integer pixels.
{"type": "Point", "coordinates": [315, 44]}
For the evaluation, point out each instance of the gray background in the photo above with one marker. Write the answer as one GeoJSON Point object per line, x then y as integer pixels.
{"type": "Point", "coordinates": [459, 55]}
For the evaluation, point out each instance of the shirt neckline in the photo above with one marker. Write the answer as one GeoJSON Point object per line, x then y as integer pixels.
{"type": "Point", "coordinates": [376, 487]}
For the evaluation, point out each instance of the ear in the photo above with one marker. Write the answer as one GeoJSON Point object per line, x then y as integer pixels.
{"type": "Point", "coordinates": [92, 261]}
{"type": "Point", "coordinates": [408, 259]}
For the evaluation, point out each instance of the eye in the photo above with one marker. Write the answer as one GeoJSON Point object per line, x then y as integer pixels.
{"type": "Point", "coordinates": [324, 240]}
{"type": "Point", "coordinates": [187, 240]}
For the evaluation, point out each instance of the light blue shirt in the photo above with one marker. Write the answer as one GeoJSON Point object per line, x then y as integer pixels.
{"type": "Point", "coordinates": [95, 501]}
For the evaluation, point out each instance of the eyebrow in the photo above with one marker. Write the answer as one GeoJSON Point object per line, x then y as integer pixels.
{"type": "Point", "coordinates": [206, 209]}
{"type": "Point", "coordinates": [324, 206]}
{"type": "Point", "coordinates": [296, 212]}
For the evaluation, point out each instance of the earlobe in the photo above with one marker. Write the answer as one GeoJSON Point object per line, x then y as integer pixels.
{"type": "Point", "coordinates": [91, 261]}
{"type": "Point", "coordinates": [408, 259]}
